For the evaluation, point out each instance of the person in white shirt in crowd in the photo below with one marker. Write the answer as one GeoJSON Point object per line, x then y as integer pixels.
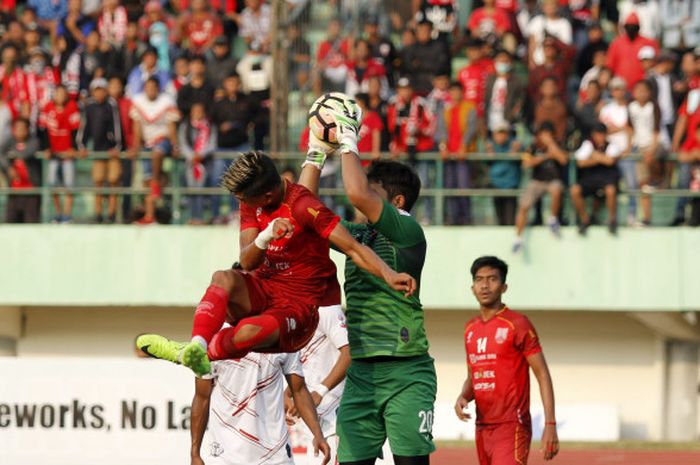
{"type": "Point", "coordinates": [254, 21]}
{"type": "Point", "coordinates": [155, 117]}
{"type": "Point", "coordinates": [650, 140]}
{"type": "Point", "coordinates": [325, 359]}
{"type": "Point", "coordinates": [241, 404]}
{"type": "Point", "coordinates": [615, 116]}
{"type": "Point", "coordinates": [548, 23]}
{"type": "Point", "coordinates": [680, 23]}
{"type": "Point", "coordinates": [597, 175]}
{"type": "Point", "coordinates": [648, 13]}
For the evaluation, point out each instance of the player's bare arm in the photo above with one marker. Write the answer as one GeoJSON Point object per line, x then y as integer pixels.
{"type": "Point", "coordinates": [335, 376]}
{"type": "Point", "coordinates": [365, 258]}
{"type": "Point", "coordinates": [550, 440]}
{"type": "Point", "coordinates": [307, 411]}
{"type": "Point", "coordinates": [254, 243]}
{"type": "Point", "coordinates": [465, 396]}
{"type": "Point", "coordinates": [199, 417]}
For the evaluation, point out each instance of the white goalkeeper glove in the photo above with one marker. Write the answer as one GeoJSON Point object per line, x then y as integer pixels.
{"type": "Point", "coordinates": [318, 152]}
{"type": "Point", "coordinates": [347, 130]}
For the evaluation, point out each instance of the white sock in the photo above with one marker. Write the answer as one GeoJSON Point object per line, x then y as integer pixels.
{"type": "Point", "coordinates": [201, 341]}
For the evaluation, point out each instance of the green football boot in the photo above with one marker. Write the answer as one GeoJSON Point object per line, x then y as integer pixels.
{"type": "Point", "coordinates": [189, 354]}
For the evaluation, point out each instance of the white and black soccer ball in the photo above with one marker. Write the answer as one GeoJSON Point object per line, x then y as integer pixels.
{"type": "Point", "coordinates": [321, 121]}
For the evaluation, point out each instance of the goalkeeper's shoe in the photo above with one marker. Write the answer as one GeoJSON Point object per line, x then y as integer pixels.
{"type": "Point", "coordinates": [189, 354]}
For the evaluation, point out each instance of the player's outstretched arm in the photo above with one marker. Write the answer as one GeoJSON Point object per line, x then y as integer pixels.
{"type": "Point", "coordinates": [199, 417]}
{"type": "Point", "coordinates": [365, 258]}
{"type": "Point", "coordinates": [307, 411]}
{"type": "Point", "coordinates": [316, 155]}
{"type": "Point", "coordinates": [550, 440]}
{"type": "Point", "coordinates": [355, 180]}
{"type": "Point", "coordinates": [465, 396]}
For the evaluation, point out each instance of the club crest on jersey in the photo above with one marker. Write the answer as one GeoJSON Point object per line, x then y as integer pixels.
{"type": "Point", "coordinates": [501, 335]}
{"type": "Point", "coordinates": [216, 449]}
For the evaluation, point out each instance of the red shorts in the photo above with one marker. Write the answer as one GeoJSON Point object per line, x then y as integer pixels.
{"type": "Point", "coordinates": [297, 320]}
{"type": "Point", "coordinates": [503, 444]}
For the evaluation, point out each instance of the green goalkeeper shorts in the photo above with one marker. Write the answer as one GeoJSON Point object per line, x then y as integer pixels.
{"type": "Point", "coordinates": [387, 399]}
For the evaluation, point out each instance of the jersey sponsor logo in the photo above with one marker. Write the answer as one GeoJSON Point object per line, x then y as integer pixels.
{"type": "Point", "coordinates": [312, 212]}
{"type": "Point", "coordinates": [404, 334]}
{"type": "Point", "coordinates": [216, 450]}
{"type": "Point", "coordinates": [485, 374]}
{"type": "Point", "coordinates": [485, 386]}
{"type": "Point", "coordinates": [473, 358]}
{"type": "Point", "coordinates": [501, 335]}
{"type": "Point", "coordinates": [481, 345]}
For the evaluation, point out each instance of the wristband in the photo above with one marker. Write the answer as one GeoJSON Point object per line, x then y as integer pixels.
{"type": "Point", "coordinates": [265, 236]}
{"type": "Point", "coordinates": [550, 423]}
{"type": "Point", "coordinates": [321, 390]}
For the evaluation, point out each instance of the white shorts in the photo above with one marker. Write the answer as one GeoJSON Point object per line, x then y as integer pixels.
{"type": "Point", "coordinates": [215, 454]}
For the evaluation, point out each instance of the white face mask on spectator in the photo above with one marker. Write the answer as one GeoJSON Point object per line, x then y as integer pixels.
{"type": "Point", "coordinates": [502, 68]}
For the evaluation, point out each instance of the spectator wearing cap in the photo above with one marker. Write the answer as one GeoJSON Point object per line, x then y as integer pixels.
{"type": "Point", "coordinates": [254, 24]}
{"type": "Point", "coordinates": [22, 167]}
{"type": "Point", "coordinates": [456, 135]}
{"type": "Point", "coordinates": [547, 160]}
{"type": "Point", "coordinates": [488, 22]}
{"type": "Point", "coordinates": [550, 107]}
{"type": "Point", "coordinates": [381, 48]}
{"type": "Point", "coordinates": [220, 63]}
{"type": "Point", "coordinates": [362, 68]}
{"type": "Point", "coordinates": [549, 23]}
{"type": "Point", "coordinates": [75, 26]}
{"type": "Point", "coordinates": [255, 70]}
{"type": "Point", "coordinates": [680, 23]}
{"type": "Point", "coordinates": [100, 131]}
{"type": "Point", "coordinates": [647, 57]}
{"type": "Point", "coordinates": [112, 23]}
{"type": "Point", "coordinates": [504, 174]}
{"type": "Point", "coordinates": [596, 176]}
{"type": "Point", "coordinates": [473, 76]}
{"type": "Point", "coordinates": [624, 50]}
{"type": "Point", "coordinates": [425, 59]}
{"type": "Point", "coordinates": [332, 59]}
{"type": "Point", "coordinates": [615, 116]}
{"type": "Point", "coordinates": [505, 93]}
{"type": "Point", "coordinates": [648, 13]}
{"type": "Point", "coordinates": [200, 27]}
{"type": "Point", "coordinates": [198, 89]}
{"type": "Point", "coordinates": [144, 71]}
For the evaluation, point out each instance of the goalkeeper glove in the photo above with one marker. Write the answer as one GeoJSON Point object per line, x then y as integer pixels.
{"type": "Point", "coordinates": [318, 152]}
{"type": "Point", "coordinates": [347, 130]}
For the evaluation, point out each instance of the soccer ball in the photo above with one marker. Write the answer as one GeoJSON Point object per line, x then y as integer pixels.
{"type": "Point", "coordinates": [321, 121]}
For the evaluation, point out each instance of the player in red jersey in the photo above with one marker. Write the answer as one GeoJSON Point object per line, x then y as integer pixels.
{"type": "Point", "coordinates": [287, 272]}
{"type": "Point", "coordinates": [501, 345]}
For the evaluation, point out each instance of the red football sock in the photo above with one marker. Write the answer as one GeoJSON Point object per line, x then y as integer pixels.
{"type": "Point", "coordinates": [222, 346]}
{"type": "Point", "coordinates": [210, 313]}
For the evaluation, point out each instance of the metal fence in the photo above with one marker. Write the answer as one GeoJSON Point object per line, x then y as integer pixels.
{"type": "Point", "coordinates": [430, 209]}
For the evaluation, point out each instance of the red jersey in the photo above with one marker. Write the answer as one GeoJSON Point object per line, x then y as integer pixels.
{"type": "Point", "coordinates": [410, 124]}
{"type": "Point", "coordinates": [622, 58]}
{"type": "Point", "coordinates": [483, 23]}
{"type": "Point", "coordinates": [473, 79]}
{"type": "Point", "coordinates": [14, 88]}
{"type": "Point", "coordinates": [40, 86]}
{"type": "Point", "coordinates": [497, 350]}
{"type": "Point", "coordinates": [299, 266]}
{"type": "Point", "coordinates": [334, 54]}
{"type": "Point", "coordinates": [202, 29]}
{"type": "Point", "coordinates": [60, 124]}
{"type": "Point", "coordinates": [370, 122]}
{"type": "Point", "coordinates": [691, 141]}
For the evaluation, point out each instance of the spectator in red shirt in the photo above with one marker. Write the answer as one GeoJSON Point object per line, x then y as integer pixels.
{"type": "Point", "coordinates": [362, 68]}
{"type": "Point", "coordinates": [473, 76]}
{"type": "Point", "coordinates": [623, 52]}
{"type": "Point", "coordinates": [411, 124]}
{"type": "Point", "coordinates": [112, 23]}
{"type": "Point", "coordinates": [201, 27]}
{"type": "Point", "coordinates": [153, 13]}
{"type": "Point", "coordinates": [332, 61]}
{"type": "Point", "coordinates": [369, 139]}
{"type": "Point", "coordinates": [41, 81]}
{"type": "Point", "coordinates": [488, 22]}
{"type": "Point", "coordinates": [60, 120]}
{"type": "Point", "coordinates": [13, 80]}
{"type": "Point", "coordinates": [687, 126]}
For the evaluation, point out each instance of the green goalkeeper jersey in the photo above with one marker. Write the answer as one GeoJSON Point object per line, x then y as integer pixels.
{"type": "Point", "coordinates": [381, 321]}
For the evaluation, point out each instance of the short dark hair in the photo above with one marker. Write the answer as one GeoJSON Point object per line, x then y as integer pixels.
{"type": "Point", "coordinates": [396, 179]}
{"type": "Point", "coordinates": [456, 84]}
{"type": "Point", "coordinates": [252, 174]}
{"type": "Point", "coordinates": [154, 80]}
{"type": "Point", "coordinates": [362, 97]}
{"type": "Point", "coordinates": [491, 262]}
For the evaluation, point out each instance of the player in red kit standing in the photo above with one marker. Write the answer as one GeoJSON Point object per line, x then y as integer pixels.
{"type": "Point", "coordinates": [287, 274]}
{"type": "Point", "coordinates": [501, 345]}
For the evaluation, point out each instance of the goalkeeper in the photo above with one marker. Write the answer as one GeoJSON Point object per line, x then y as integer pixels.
{"type": "Point", "coordinates": [391, 384]}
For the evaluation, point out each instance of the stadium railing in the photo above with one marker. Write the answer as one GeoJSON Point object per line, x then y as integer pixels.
{"type": "Point", "coordinates": [434, 190]}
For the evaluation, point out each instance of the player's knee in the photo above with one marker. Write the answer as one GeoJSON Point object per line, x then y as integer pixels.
{"type": "Point", "coordinates": [225, 279]}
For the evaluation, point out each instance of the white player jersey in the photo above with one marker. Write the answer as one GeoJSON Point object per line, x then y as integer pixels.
{"type": "Point", "coordinates": [155, 116]}
{"type": "Point", "coordinates": [321, 353]}
{"type": "Point", "coordinates": [246, 414]}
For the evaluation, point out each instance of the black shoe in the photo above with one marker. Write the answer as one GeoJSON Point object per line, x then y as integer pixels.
{"type": "Point", "coordinates": [111, 219]}
{"type": "Point", "coordinates": [583, 227]}
{"type": "Point", "coordinates": [678, 221]}
{"type": "Point", "coordinates": [612, 227]}
{"type": "Point", "coordinates": [99, 219]}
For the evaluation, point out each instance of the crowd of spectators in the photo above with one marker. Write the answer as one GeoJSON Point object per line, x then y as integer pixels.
{"type": "Point", "coordinates": [614, 83]}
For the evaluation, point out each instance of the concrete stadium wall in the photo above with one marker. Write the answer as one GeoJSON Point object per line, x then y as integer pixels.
{"type": "Point", "coordinates": [595, 357]}
{"type": "Point", "coordinates": [652, 269]}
